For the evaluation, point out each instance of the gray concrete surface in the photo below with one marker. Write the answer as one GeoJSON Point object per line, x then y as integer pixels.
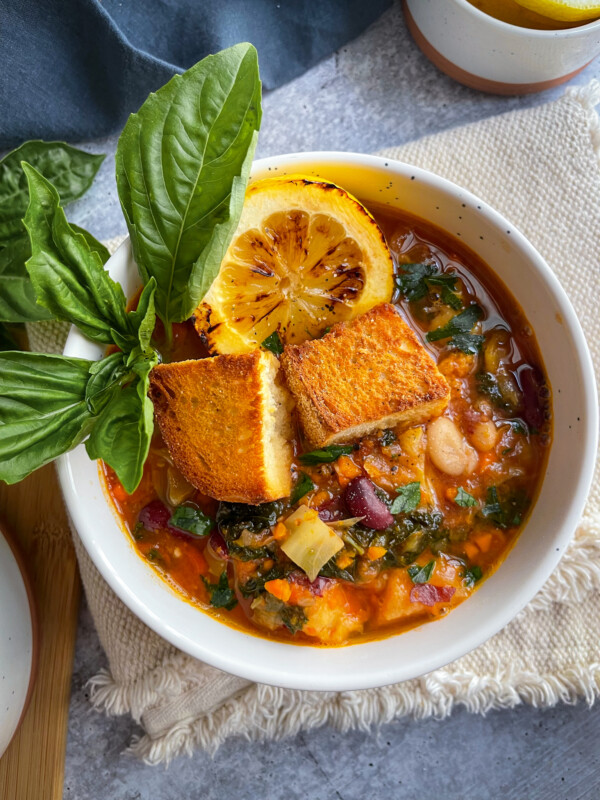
{"type": "Point", "coordinates": [377, 91]}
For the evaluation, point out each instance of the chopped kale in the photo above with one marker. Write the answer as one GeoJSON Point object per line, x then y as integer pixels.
{"type": "Point", "coordinates": [234, 518]}
{"type": "Point", "coordinates": [464, 499]}
{"type": "Point", "coordinates": [500, 392]}
{"type": "Point", "coordinates": [331, 570]}
{"type": "Point", "coordinates": [506, 511]}
{"type": "Point", "coordinates": [248, 553]}
{"type": "Point", "coordinates": [472, 575]}
{"type": "Point", "coordinates": [303, 485]}
{"type": "Point", "coordinates": [191, 520]}
{"type": "Point", "coordinates": [221, 596]}
{"type": "Point", "coordinates": [326, 454]}
{"type": "Point", "coordinates": [409, 498]}
{"type": "Point", "coordinates": [468, 343]}
{"type": "Point", "coordinates": [421, 574]}
{"type": "Point", "coordinates": [294, 618]}
{"type": "Point", "coordinates": [273, 343]}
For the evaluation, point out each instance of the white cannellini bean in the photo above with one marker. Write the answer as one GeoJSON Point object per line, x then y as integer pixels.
{"type": "Point", "coordinates": [448, 448]}
{"type": "Point", "coordinates": [485, 436]}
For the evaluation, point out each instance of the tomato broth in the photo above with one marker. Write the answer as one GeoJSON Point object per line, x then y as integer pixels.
{"type": "Point", "coordinates": [450, 532]}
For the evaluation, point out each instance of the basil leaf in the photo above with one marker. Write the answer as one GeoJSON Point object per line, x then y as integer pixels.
{"type": "Point", "coordinates": [326, 454]}
{"type": "Point", "coordinates": [67, 274]}
{"type": "Point", "coordinates": [409, 498]}
{"type": "Point", "coordinates": [421, 574]}
{"type": "Point", "coordinates": [106, 377]}
{"type": "Point", "coordinates": [273, 343]}
{"type": "Point", "coordinates": [472, 575]}
{"type": "Point", "coordinates": [182, 166]}
{"type": "Point", "coordinates": [17, 297]}
{"type": "Point", "coordinates": [122, 432]}
{"type": "Point", "coordinates": [221, 596]}
{"type": "Point", "coordinates": [43, 411]}
{"type": "Point", "coordinates": [72, 171]}
{"type": "Point", "coordinates": [464, 499]}
{"type": "Point", "coordinates": [192, 520]}
{"type": "Point", "coordinates": [461, 323]}
{"type": "Point", "coordinates": [303, 486]}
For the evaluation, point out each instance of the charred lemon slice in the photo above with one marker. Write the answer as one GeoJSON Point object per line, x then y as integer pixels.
{"type": "Point", "coordinates": [305, 255]}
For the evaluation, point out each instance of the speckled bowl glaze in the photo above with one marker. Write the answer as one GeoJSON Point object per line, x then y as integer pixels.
{"type": "Point", "coordinates": [487, 54]}
{"type": "Point", "coordinates": [541, 543]}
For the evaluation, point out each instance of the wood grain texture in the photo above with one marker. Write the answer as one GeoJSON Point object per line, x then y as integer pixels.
{"type": "Point", "coordinates": [33, 765]}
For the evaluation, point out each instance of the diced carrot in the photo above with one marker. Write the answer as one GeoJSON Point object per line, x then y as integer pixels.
{"type": "Point", "coordinates": [451, 492]}
{"type": "Point", "coordinates": [346, 467]}
{"type": "Point", "coordinates": [483, 541]}
{"type": "Point", "coordinates": [279, 532]}
{"type": "Point", "coordinates": [319, 498]}
{"type": "Point", "coordinates": [373, 553]}
{"type": "Point", "coordinates": [279, 589]}
{"type": "Point", "coordinates": [268, 563]}
{"type": "Point", "coordinates": [471, 550]}
{"type": "Point", "coordinates": [344, 560]}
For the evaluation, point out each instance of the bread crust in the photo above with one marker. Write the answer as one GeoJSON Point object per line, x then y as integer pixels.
{"type": "Point", "coordinates": [213, 416]}
{"type": "Point", "coordinates": [370, 373]}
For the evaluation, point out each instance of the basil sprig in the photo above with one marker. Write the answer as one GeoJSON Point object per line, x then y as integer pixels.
{"type": "Point", "coordinates": [182, 166]}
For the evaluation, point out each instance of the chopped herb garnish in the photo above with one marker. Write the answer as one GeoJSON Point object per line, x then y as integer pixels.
{"type": "Point", "coordinates": [139, 531]}
{"type": "Point", "coordinates": [518, 427]}
{"type": "Point", "coordinates": [412, 281]}
{"type": "Point", "coordinates": [154, 555]}
{"type": "Point", "coordinates": [303, 485]}
{"type": "Point", "coordinates": [447, 284]}
{"type": "Point", "coordinates": [472, 575]}
{"type": "Point", "coordinates": [464, 499]}
{"type": "Point", "coordinates": [326, 454]}
{"type": "Point", "coordinates": [326, 331]}
{"type": "Point", "coordinates": [409, 497]}
{"type": "Point", "coordinates": [191, 520]}
{"type": "Point", "coordinates": [421, 574]}
{"type": "Point", "coordinates": [417, 279]}
{"type": "Point", "coordinates": [221, 596]}
{"type": "Point", "coordinates": [458, 330]}
{"type": "Point", "coordinates": [273, 343]}
{"type": "Point", "coordinates": [387, 437]}
{"type": "Point", "coordinates": [468, 343]}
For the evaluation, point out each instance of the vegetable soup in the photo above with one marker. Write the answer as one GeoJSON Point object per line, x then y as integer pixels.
{"type": "Point", "coordinates": [421, 515]}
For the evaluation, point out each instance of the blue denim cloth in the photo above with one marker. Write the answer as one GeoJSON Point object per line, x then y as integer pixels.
{"type": "Point", "coordinates": [74, 69]}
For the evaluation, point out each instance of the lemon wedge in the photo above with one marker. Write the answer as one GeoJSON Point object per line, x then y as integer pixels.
{"type": "Point", "coordinates": [305, 255]}
{"type": "Point", "coordinates": [564, 10]}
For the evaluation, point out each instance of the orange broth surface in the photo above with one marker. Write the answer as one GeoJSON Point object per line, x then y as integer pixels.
{"type": "Point", "coordinates": [433, 557]}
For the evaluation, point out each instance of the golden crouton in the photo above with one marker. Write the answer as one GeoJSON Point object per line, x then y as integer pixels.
{"type": "Point", "coordinates": [364, 375]}
{"type": "Point", "coordinates": [226, 423]}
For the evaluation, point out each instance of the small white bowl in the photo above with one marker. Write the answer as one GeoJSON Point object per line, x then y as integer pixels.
{"type": "Point", "coordinates": [494, 56]}
{"type": "Point", "coordinates": [542, 542]}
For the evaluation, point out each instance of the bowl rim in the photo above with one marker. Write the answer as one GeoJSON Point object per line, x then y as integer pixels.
{"type": "Point", "coordinates": [373, 676]}
{"type": "Point", "coordinates": [535, 33]}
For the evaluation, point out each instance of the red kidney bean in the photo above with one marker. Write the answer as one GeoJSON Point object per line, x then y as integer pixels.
{"type": "Point", "coordinates": [218, 545]}
{"type": "Point", "coordinates": [532, 384]}
{"type": "Point", "coordinates": [155, 516]}
{"type": "Point", "coordinates": [332, 510]}
{"type": "Point", "coordinates": [317, 587]}
{"type": "Point", "coordinates": [362, 501]}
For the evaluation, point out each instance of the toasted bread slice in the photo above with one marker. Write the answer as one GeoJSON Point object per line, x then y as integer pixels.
{"type": "Point", "coordinates": [364, 375]}
{"type": "Point", "coordinates": [226, 423]}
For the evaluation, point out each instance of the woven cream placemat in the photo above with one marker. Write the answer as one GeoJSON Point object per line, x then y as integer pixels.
{"type": "Point", "coordinates": [540, 168]}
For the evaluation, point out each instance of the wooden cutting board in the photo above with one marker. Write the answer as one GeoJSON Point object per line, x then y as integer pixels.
{"type": "Point", "coordinates": [33, 765]}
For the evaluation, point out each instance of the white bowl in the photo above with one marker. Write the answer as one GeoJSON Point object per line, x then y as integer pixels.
{"type": "Point", "coordinates": [541, 544]}
{"type": "Point", "coordinates": [485, 53]}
